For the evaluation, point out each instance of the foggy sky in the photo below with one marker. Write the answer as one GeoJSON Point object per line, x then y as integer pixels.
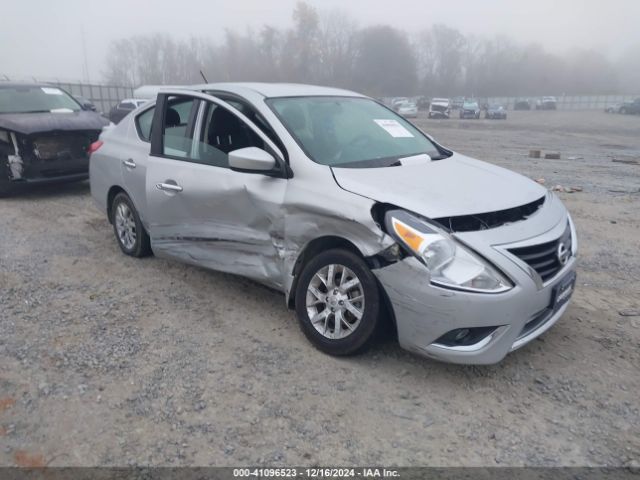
{"type": "Point", "coordinates": [43, 38]}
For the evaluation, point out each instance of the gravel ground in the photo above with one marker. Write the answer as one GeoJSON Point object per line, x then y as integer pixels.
{"type": "Point", "coordinates": [109, 360]}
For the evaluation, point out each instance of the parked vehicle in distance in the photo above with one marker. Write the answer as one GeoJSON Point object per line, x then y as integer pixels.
{"type": "Point", "coordinates": [470, 109]}
{"type": "Point", "coordinates": [456, 103]}
{"type": "Point", "coordinates": [422, 103]}
{"type": "Point", "coordinates": [522, 104]}
{"type": "Point", "coordinates": [85, 104]}
{"type": "Point", "coordinates": [613, 108]}
{"type": "Point", "coordinates": [397, 101]}
{"type": "Point", "coordinates": [496, 112]}
{"type": "Point", "coordinates": [439, 108]}
{"type": "Point", "coordinates": [631, 108]}
{"type": "Point", "coordinates": [546, 103]}
{"type": "Point", "coordinates": [472, 261]}
{"type": "Point", "coordinates": [45, 136]}
{"type": "Point", "coordinates": [126, 106]}
{"type": "Point", "coordinates": [407, 109]}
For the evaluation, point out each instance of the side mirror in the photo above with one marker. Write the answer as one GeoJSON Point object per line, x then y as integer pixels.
{"type": "Point", "coordinates": [251, 159]}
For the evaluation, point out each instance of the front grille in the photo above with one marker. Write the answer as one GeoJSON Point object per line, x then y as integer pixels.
{"type": "Point", "coordinates": [65, 146]}
{"type": "Point", "coordinates": [544, 257]}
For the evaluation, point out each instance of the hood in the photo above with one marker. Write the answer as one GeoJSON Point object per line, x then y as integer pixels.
{"type": "Point", "coordinates": [28, 123]}
{"type": "Point", "coordinates": [457, 185]}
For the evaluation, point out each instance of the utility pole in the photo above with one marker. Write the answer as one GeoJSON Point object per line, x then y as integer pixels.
{"type": "Point", "coordinates": [85, 65]}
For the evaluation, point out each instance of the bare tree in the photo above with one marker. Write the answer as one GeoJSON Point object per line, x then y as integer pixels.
{"type": "Point", "coordinates": [327, 47]}
{"type": "Point", "coordinates": [385, 64]}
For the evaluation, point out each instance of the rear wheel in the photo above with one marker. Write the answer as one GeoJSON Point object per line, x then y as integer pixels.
{"type": "Point", "coordinates": [127, 227]}
{"type": "Point", "coordinates": [338, 302]}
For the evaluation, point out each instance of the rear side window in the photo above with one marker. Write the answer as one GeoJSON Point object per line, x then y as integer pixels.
{"type": "Point", "coordinates": [144, 122]}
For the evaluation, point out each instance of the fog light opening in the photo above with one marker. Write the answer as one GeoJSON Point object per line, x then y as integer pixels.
{"type": "Point", "coordinates": [463, 337]}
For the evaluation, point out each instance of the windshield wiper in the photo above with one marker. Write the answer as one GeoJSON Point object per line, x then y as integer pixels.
{"type": "Point", "coordinates": [28, 111]}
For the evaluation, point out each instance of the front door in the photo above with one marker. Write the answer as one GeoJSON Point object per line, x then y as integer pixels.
{"type": "Point", "coordinates": [199, 210]}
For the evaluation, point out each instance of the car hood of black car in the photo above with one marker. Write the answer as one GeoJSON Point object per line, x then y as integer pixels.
{"type": "Point", "coordinates": [28, 123]}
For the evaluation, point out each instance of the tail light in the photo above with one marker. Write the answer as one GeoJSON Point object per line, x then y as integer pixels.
{"type": "Point", "coordinates": [95, 146]}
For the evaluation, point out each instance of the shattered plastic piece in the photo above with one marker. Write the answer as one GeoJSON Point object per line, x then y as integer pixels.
{"type": "Point", "coordinates": [16, 167]}
{"type": "Point", "coordinates": [552, 156]}
{"type": "Point", "coordinates": [534, 153]}
{"type": "Point", "coordinates": [541, 181]}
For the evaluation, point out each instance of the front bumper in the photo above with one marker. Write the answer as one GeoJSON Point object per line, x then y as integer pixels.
{"type": "Point", "coordinates": [424, 312]}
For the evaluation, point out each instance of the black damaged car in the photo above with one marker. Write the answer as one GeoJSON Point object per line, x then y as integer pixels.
{"type": "Point", "coordinates": [45, 136]}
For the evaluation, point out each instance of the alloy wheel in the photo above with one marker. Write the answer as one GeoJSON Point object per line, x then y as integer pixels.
{"type": "Point", "coordinates": [125, 226]}
{"type": "Point", "coordinates": [335, 301]}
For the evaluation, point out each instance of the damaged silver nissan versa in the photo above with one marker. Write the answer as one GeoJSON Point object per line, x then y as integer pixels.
{"type": "Point", "coordinates": [350, 210]}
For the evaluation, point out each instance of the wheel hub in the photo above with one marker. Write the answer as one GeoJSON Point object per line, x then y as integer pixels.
{"type": "Point", "coordinates": [335, 301]}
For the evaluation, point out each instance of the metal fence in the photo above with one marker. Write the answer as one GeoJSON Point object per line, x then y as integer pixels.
{"type": "Point", "coordinates": [102, 96]}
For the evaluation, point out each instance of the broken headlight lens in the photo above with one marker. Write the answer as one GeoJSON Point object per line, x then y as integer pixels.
{"type": "Point", "coordinates": [450, 264]}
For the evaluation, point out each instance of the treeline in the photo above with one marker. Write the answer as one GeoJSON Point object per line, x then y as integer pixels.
{"type": "Point", "coordinates": [327, 47]}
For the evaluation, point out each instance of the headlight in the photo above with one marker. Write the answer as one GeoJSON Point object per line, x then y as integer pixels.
{"type": "Point", "coordinates": [450, 264]}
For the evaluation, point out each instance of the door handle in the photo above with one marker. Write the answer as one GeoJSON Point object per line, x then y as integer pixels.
{"type": "Point", "coordinates": [129, 163]}
{"type": "Point", "coordinates": [169, 187]}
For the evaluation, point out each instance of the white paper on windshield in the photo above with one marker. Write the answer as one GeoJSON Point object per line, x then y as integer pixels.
{"type": "Point", "coordinates": [394, 128]}
{"type": "Point", "coordinates": [61, 110]}
{"type": "Point", "coordinates": [51, 91]}
{"type": "Point", "coordinates": [419, 159]}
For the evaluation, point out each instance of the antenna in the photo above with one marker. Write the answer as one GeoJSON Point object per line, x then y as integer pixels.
{"type": "Point", "coordinates": [203, 77]}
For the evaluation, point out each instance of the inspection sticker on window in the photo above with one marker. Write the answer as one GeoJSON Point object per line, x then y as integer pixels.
{"type": "Point", "coordinates": [394, 128]}
{"type": "Point", "coordinates": [51, 91]}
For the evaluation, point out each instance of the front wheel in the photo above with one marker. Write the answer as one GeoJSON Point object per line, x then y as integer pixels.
{"type": "Point", "coordinates": [338, 302]}
{"type": "Point", "coordinates": [132, 238]}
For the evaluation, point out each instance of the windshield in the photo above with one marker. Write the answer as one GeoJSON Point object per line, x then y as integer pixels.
{"type": "Point", "coordinates": [35, 99]}
{"type": "Point", "coordinates": [470, 105]}
{"type": "Point", "coordinates": [351, 132]}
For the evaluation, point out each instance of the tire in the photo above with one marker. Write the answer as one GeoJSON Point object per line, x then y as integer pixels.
{"type": "Point", "coordinates": [130, 234]}
{"type": "Point", "coordinates": [327, 335]}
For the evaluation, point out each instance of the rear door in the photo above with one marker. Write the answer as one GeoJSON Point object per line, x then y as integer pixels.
{"type": "Point", "coordinates": [199, 210]}
{"type": "Point", "coordinates": [133, 159]}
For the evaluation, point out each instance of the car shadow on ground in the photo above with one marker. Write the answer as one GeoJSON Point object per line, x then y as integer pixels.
{"type": "Point", "coordinates": [44, 192]}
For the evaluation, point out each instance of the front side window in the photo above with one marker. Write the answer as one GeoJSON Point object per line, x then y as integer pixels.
{"type": "Point", "coordinates": [351, 132]}
{"type": "Point", "coordinates": [221, 133]}
{"type": "Point", "coordinates": [177, 137]}
{"type": "Point", "coordinates": [36, 99]}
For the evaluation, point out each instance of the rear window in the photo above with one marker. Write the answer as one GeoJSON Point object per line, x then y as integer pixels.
{"type": "Point", "coordinates": [36, 99]}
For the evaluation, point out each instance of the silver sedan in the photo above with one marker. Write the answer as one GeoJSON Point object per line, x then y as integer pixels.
{"type": "Point", "coordinates": [359, 217]}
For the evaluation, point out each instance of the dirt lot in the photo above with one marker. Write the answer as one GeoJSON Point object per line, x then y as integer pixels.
{"type": "Point", "coordinates": [108, 360]}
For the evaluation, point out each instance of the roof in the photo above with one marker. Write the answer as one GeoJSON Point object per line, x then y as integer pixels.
{"type": "Point", "coordinates": [271, 90]}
